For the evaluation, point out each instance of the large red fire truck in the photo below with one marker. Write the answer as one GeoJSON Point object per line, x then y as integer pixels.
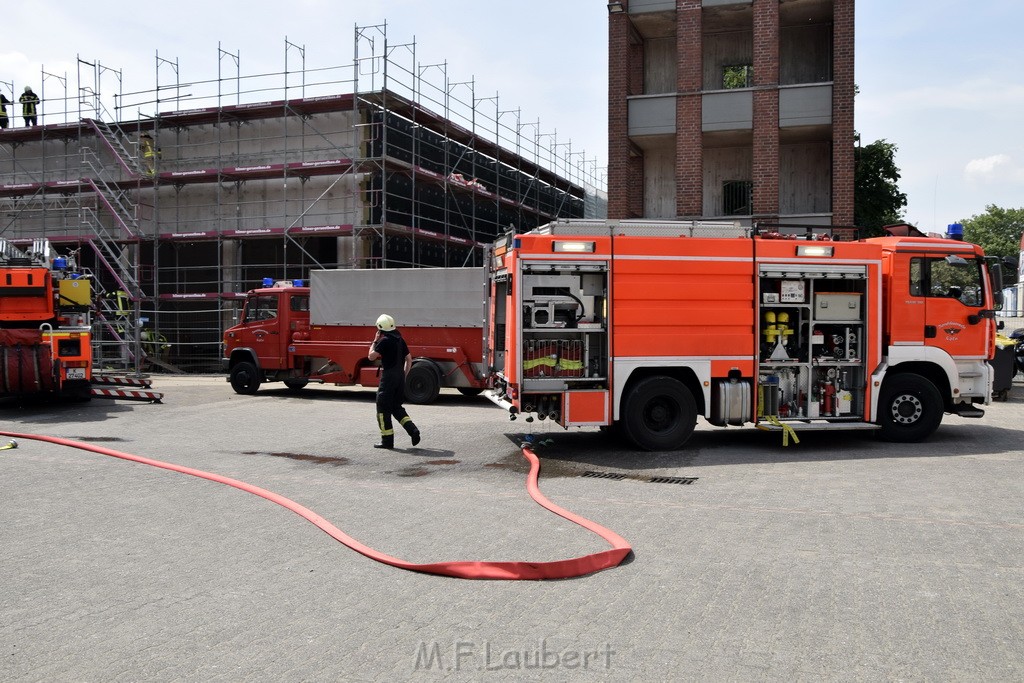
{"type": "Point", "coordinates": [644, 326]}
{"type": "Point", "coordinates": [321, 333]}
{"type": "Point", "coordinates": [45, 324]}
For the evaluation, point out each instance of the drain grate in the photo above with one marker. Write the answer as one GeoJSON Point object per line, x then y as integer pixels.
{"type": "Point", "coordinates": [673, 480]}
{"type": "Point", "coordinates": [603, 475]}
{"type": "Point", "coordinates": [618, 476]}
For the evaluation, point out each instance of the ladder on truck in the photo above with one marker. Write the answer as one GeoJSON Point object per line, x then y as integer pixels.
{"type": "Point", "coordinates": [643, 228]}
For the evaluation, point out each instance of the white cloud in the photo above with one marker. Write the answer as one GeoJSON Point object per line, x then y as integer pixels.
{"type": "Point", "coordinates": [985, 167]}
{"type": "Point", "coordinates": [995, 170]}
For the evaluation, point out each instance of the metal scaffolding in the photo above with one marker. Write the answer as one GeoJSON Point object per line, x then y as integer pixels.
{"type": "Point", "coordinates": [183, 196]}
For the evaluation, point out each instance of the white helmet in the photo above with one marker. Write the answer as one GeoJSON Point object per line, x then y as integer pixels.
{"type": "Point", "coordinates": [385, 323]}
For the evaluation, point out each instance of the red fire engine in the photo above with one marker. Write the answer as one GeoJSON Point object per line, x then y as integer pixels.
{"type": "Point", "coordinates": [45, 324]}
{"type": "Point", "coordinates": [321, 333]}
{"type": "Point", "coordinates": [644, 326]}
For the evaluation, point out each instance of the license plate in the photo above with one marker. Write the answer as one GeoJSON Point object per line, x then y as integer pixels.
{"type": "Point", "coordinates": [76, 373]}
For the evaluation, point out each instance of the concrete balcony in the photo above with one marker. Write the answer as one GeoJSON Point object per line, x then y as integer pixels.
{"type": "Point", "coordinates": [727, 110]}
{"type": "Point", "coordinates": [805, 105]}
{"type": "Point", "coordinates": [652, 115]}
{"type": "Point", "coordinates": [644, 6]}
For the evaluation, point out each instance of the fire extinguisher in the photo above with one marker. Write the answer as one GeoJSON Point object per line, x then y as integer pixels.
{"type": "Point", "coordinates": [828, 398]}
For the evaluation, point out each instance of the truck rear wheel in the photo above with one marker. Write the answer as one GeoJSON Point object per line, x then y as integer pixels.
{"type": "Point", "coordinates": [296, 383]}
{"type": "Point", "coordinates": [659, 414]}
{"type": "Point", "coordinates": [909, 408]}
{"type": "Point", "coordinates": [422, 384]}
{"type": "Point", "coordinates": [245, 378]}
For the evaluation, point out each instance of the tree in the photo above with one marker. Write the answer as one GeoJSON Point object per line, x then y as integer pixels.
{"type": "Point", "coordinates": [998, 230]}
{"type": "Point", "coordinates": [877, 200]}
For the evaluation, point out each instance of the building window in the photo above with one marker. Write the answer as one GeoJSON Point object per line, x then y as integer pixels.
{"type": "Point", "coordinates": [737, 76]}
{"type": "Point", "coordinates": [736, 197]}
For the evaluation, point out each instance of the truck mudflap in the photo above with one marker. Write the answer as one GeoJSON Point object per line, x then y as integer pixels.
{"type": "Point", "coordinates": [967, 410]}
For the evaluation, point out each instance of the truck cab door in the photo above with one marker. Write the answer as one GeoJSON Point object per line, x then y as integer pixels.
{"type": "Point", "coordinates": [906, 316]}
{"type": "Point", "coordinates": [261, 329]}
{"type": "Point", "coordinates": [954, 303]}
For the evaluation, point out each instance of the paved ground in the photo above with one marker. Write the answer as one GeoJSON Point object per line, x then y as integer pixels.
{"type": "Point", "coordinates": [839, 558]}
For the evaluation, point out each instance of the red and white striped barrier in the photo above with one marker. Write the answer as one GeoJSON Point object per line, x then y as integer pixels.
{"type": "Point", "coordinates": [133, 394]}
{"type": "Point", "coordinates": [122, 380]}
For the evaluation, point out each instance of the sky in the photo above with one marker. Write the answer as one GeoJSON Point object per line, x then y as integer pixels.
{"type": "Point", "coordinates": [941, 79]}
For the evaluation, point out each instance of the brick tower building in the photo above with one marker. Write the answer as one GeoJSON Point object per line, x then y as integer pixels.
{"type": "Point", "coordinates": [731, 109]}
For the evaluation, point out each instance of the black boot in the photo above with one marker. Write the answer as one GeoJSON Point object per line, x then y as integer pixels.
{"type": "Point", "coordinates": [413, 432]}
{"type": "Point", "coordinates": [387, 442]}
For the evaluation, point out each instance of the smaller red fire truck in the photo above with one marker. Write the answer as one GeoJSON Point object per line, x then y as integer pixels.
{"type": "Point", "coordinates": [321, 333]}
{"type": "Point", "coordinates": [645, 326]}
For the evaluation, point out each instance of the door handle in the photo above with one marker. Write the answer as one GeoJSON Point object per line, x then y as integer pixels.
{"type": "Point", "coordinates": [930, 331]}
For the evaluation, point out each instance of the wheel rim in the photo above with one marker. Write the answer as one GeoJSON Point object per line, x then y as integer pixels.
{"type": "Point", "coordinates": [244, 378]}
{"type": "Point", "coordinates": [907, 409]}
{"type": "Point", "coordinates": [661, 414]}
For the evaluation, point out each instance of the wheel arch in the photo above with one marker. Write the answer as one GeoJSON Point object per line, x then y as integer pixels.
{"type": "Point", "coordinates": [243, 355]}
{"type": "Point", "coordinates": [930, 371]}
{"type": "Point", "coordinates": [684, 374]}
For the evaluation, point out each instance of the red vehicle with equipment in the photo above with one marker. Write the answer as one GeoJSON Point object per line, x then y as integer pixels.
{"type": "Point", "coordinates": [45, 324]}
{"type": "Point", "coordinates": [320, 333]}
{"type": "Point", "coordinates": [644, 326]}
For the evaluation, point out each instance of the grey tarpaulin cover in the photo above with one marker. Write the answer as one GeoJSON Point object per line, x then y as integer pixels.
{"type": "Point", "coordinates": [415, 297]}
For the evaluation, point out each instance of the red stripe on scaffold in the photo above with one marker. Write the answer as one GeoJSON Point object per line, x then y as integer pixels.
{"type": "Point", "coordinates": [557, 569]}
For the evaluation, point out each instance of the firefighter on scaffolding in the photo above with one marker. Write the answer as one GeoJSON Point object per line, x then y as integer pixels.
{"type": "Point", "coordinates": [150, 153]}
{"type": "Point", "coordinates": [395, 362]}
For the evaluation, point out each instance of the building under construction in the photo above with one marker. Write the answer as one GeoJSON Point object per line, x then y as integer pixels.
{"type": "Point", "coordinates": [383, 162]}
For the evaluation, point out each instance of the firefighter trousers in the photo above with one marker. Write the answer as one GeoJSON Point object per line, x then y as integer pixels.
{"type": "Point", "coordinates": [390, 396]}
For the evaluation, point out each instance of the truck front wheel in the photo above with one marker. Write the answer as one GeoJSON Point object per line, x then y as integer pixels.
{"type": "Point", "coordinates": [909, 408]}
{"type": "Point", "coordinates": [245, 378]}
{"type": "Point", "coordinates": [422, 384]}
{"type": "Point", "coordinates": [659, 414]}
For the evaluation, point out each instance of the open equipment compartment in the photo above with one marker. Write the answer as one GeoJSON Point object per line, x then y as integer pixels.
{"type": "Point", "coordinates": [811, 342]}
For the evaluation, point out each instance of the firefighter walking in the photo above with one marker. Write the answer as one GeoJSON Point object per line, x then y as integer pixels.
{"type": "Point", "coordinates": [395, 362]}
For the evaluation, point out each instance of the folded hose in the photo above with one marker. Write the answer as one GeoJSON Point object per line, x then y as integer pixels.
{"type": "Point", "coordinates": [557, 569]}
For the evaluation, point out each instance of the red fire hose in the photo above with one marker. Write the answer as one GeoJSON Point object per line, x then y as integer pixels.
{"type": "Point", "coordinates": [557, 569]}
